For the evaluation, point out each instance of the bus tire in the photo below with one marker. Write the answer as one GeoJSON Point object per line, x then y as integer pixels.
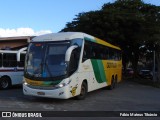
{"type": "Point", "coordinates": [116, 81]}
{"type": "Point", "coordinates": [5, 82]}
{"type": "Point", "coordinates": [113, 83]}
{"type": "Point", "coordinates": [84, 90]}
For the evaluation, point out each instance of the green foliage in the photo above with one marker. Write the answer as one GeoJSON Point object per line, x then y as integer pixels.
{"type": "Point", "coordinates": [126, 23]}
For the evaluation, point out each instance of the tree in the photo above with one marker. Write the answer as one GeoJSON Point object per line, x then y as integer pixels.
{"type": "Point", "coordinates": [127, 23]}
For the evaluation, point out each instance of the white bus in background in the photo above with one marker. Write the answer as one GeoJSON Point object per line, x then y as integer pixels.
{"type": "Point", "coordinates": [11, 67]}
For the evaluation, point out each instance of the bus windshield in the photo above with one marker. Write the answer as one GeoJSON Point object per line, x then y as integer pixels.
{"type": "Point", "coordinates": [46, 60]}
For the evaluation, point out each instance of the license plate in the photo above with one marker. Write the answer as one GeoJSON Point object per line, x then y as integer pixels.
{"type": "Point", "coordinates": [40, 93]}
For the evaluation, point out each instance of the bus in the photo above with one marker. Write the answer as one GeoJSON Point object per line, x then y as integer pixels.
{"type": "Point", "coordinates": [11, 67]}
{"type": "Point", "coordinates": [70, 64]}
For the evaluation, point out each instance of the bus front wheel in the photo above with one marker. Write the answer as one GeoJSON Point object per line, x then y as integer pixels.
{"type": "Point", "coordinates": [83, 92]}
{"type": "Point", "coordinates": [5, 83]}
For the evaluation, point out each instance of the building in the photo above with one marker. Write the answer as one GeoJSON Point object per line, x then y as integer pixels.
{"type": "Point", "coordinates": [13, 43]}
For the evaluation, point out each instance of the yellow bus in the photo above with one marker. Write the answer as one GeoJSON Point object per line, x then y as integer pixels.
{"type": "Point", "coordinates": [70, 64]}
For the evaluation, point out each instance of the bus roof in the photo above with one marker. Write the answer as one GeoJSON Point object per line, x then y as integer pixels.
{"type": "Point", "coordinates": [10, 51]}
{"type": "Point", "coordinates": [69, 36]}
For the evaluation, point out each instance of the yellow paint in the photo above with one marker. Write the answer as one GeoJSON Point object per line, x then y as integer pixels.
{"type": "Point", "coordinates": [74, 91]}
{"type": "Point", "coordinates": [106, 43]}
{"type": "Point", "coordinates": [34, 83]}
{"type": "Point", "coordinates": [112, 68]}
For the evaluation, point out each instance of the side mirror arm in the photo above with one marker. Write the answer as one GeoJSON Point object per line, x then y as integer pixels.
{"type": "Point", "coordinates": [18, 54]}
{"type": "Point", "coordinates": [69, 51]}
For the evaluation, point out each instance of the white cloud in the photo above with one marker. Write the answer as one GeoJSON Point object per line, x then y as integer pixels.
{"type": "Point", "coordinates": [21, 32]}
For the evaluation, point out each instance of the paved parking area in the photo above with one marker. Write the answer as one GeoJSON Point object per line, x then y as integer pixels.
{"type": "Point", "coordinates": [128, 96]}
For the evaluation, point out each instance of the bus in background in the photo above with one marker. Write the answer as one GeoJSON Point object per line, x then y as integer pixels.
{"type": "Point", "coordinates": [69, 64]}
{"type": "Point", "coordinates": [11, 67]}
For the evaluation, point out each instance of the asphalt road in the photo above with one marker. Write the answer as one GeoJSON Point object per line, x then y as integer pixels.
{"type": "Point", "coordinates": [127, 96]}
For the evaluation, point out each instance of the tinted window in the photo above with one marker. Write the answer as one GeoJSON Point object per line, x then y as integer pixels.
{"type": "Point", "coordinates": [96, 51]}
{"type": "Point", "coordinates": [0, 60]}
{"type": "Point", "coordinates": [22, 59]}
{"type": "Point", "coordinates": [9, 60]}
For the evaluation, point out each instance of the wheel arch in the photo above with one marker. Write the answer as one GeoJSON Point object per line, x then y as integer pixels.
{"type": "Point", "coordinates": [83, 85]}
{"type": "Point", "coordinates": [86, 82]}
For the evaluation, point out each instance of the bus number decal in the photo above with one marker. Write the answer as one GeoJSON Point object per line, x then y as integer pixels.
{"type": "Point", "coordinates": [111, 65]}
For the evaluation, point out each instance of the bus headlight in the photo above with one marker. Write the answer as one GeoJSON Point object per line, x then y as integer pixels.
{"type": "Point", "coordinates": [63, 84]}
{"type": "Point", "coordinates": [24, 82]}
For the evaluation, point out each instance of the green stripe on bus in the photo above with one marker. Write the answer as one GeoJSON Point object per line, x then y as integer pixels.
{"type": "Point", "coordinates": [51, 83]}
{"type": "Point", "coordinates": [99, 71]}
{"type": "Point", "coordinates": [102, 72]}
{"type": "Point", "coordinates": [89, 39]}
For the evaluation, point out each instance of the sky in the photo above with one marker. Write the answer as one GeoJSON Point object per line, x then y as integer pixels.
{"type": "Point", "coordinates": [36, 17]}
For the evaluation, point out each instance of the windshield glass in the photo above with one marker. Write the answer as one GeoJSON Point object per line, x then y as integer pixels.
{"type": "Point", "coordinates": [34, 58]}
{"type": "Point", "coordinates": [46, 60]}
{"type": "Point", "coordinates": [55, 60]}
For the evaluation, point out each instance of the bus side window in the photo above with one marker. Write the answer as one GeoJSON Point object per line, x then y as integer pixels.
{"type": "Point", "coordinates": [9, 60]}
{"type": "Point", "coordinates": [22, 59]}
{"type": "Point", "coordinates": [87, 51]}
{"type": "Point", "coordinates": [74, 60]}
{"type": "Point", "coordinates": [117, 55]}
{"type": "Point", "coordinates": [95, 54]}
{"type": "Point", "coordinates": [111, 54]}
{"type": "Point", "coordinates": [106, 54]}
{"type": "Point", "coordinates": [0, 60]}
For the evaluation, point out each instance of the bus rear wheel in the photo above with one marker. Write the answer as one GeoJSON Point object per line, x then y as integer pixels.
{"type": "Point", "coordinates": [113, 84]}
{"type": "Point", "coordinates": [83, 92]}
{"type": "Point", "coordinates": [5, 83]}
